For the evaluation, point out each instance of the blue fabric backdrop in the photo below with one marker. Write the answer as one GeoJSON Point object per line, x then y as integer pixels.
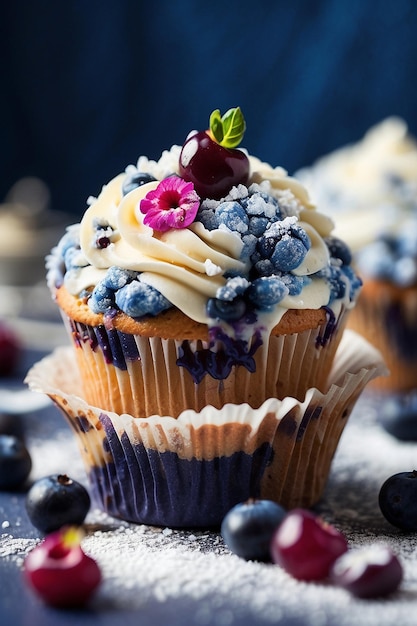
{"type": "Point", "coordinates": [87, 86]}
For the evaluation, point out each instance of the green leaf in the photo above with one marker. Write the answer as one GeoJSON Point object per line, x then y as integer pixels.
{"type": "Point", "coordinates": [229, 129]}
{"type": "Point", "coordinates": [216, 126]}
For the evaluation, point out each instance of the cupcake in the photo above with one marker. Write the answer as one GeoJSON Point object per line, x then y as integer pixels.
{"type": "Point", "coordinates": [370, 188]}
{"type": "Point", "coordinates": [206, 299]}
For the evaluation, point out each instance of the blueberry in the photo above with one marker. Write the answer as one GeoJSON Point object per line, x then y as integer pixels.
{"type": "Point", "coordinates": [248, 528]}
{"type": "Point", "coordinates": [289, 253]}
{"type": "Point", "coordinates": [398, 500]}
{"type": "Point", "coordinates": [137, 299]}
{"type": "Point", "coordinates": [208, 218]}
{"type": "Point", "coordinates": [234, 287]}
{"type": "Point", "coordinates": [267, 291]}
{"type": "Point", "coordinates": [286, 245]}
{"type": "Point", "coordinates": [12, 425]}
{"type": "Point", "coordinates": [117, 277]}
{"type": "Point", "coordinates": [15, 462]}
{"type": "Point", "coordinates": [339, 250]}
{"type": "Point", "coordinates": [134, 180]}
{"type": "Point", "coordinates": [264, 267]}
{"type": "Point", "coordinates": [226, 310]}
{"type": "Point", "coordinates": [266, 246]}
{"type": "Point", "coordinates": [102, 298]}
{"type": "Point", "coordinates": [232, 215]}
{"type": "Point", "coordinates": [398, 417]}
{"type": "Point", "coordinates": [55, 501]}
{"type": "Point", "coordinates": [257, 225]}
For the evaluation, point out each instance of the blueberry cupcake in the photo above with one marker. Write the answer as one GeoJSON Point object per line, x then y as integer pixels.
{"type": "Point", "coordinates": [197, 290]}
{"type": "Point", "coordinates": [370, 189]}
{"type": "Point", "coordinates": [387, 311]}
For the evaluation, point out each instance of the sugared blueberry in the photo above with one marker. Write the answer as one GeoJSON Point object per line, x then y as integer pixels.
{"type": "Point", "coordinates": [285, 244]}
{"type": "Point", "coordinates": [370, 572]}
{"type": "Point", "coordinates": [233, 216]}
{"type": "Point", "coordinates": [226, 310]}
{"type": "Point", "coordinates": [267, 291]}
{"type": "Point", "coordinates": [339, 250]}
{"type": "Point", "coordinates": [247, 528]}
{"type": "Point", "coordinates": [398, 500]}
{"type": "Point", "coordinates": [306, 546]}
{"type": "Point", "coordinates": [15, 462]}
{"type": "Point", "coordinates": [398, 416]}
{"type": "Point", "coordinates": [134, 180]}
{"type": "Point", "coordinates": [60, 572]}
{"type": "Point", "coordinates": [55, 501]}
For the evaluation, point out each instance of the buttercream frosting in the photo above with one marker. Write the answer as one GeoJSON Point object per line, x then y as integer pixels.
{"type": "Point", "coordinates": [369, 187]}
{"type": "Point", "coordinates": [187, 267]}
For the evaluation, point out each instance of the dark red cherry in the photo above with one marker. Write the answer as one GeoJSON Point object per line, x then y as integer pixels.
{"type": "Point", "coordinates": [212, 168]}
{"type": "Point", "coordinates": [306, 546]}
{"type": "Point", "coordinates": [60, 572]}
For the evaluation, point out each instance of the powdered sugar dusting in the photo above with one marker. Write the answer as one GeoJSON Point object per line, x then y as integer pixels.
{"type": "Point", "coordinates": [188, 576]}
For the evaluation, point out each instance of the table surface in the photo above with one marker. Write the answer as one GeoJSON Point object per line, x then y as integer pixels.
{"type": "Point", "coordinates": [163, 576]}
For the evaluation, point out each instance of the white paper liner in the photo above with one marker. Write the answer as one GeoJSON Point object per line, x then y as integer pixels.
{"type": "Point", "coordinates": [391, 325]}
{"type": "Point", "coordinates": [153, 383]}
{"type": "Point", "coordinates": [302, 435]}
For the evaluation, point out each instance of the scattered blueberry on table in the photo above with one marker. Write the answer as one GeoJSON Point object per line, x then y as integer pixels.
{"type": "Point", "coordinates": [55, 501]}
{"type": "Point", "coordinates": [15, 462]}
{"type": "Point", "coordinates": [398, 416]}
{"type": "Point", "coordinates": [398, 500]}
{"type": "Point", "coordinates": [248, 527]}
{"type": "Point", "coordinates": [12, 425]}
{"type": "Point", "coordinates": [310, 549]}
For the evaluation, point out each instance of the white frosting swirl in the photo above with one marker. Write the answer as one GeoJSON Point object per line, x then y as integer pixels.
{"type": "Point", "coordinates": [188, 265]}
{"type": "Point", "coordinates": [369, 186]}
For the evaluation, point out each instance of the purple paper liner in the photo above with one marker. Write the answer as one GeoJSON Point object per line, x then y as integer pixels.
{"type": "Point", "coordinates": [188, 472]}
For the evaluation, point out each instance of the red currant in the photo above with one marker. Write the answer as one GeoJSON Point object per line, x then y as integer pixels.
{"type": "Point", "coordinates": [306, 546]}
{"type": "Point", "coordinates": [10, 350]}
{"type": "Point", "coordinates": [60, 572]}
{"type": "Point", "coordinates": [369, 572]}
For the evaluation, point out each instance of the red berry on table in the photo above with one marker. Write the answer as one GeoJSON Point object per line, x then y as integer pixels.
{"type": "Point", "coordinates": [10, 350]}
{"type": "Point", "coordinates": [210, 159]}
{"type": "Point", "coordinates": [370, 572]}
{"type": "Point", "coordinates": [60, 572]}
{"type": "Point", "coordinates": [306, 546]}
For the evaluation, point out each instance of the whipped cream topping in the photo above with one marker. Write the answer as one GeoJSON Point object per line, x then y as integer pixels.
{"type": "Point", "coordinates": [370, 187]}
{"type": "Point", "coordinates": [114, 260]}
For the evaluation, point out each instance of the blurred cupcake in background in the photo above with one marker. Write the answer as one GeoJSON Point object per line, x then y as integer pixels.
{"type": "Point", "coordinates": [370, 188]}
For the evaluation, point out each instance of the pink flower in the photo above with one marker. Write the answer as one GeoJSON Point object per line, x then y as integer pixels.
{"type": "Point", "coordinates": [173, 204]}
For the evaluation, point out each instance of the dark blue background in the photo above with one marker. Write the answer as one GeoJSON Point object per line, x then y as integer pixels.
{"type": "Point", "coordinates": [87, 85]}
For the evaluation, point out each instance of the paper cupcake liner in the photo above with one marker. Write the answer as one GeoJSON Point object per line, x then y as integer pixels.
{"type": "Point", "coordinates": [142, 376]}
{"type": "Point", "coordinates": [391, 325]}
{"type": "Point", "coordinates": [189, 471]}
